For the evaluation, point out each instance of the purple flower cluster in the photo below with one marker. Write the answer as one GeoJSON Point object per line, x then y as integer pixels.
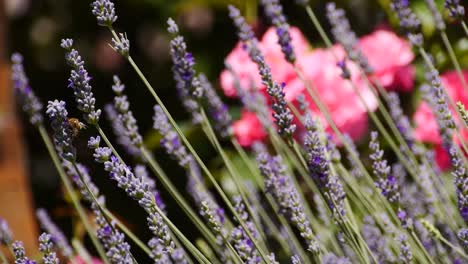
{"type": "Point", "coordinates": [20, 254]}
{"type": "Point", "coordinates": [279, 185]}
{"type": "Point", "coordinates": [376, 241]}
{"type": "Point", "coordinates": [120, 131]}
{"type": "Point", "coordinates": [342, 32]}
{"type": "Point", "coordinates": [121, 44]}
{"type": "Point", "coordinates": [141, 172]}
{"type": "Point", "coordinates": [463, 238]}
{"type": "Point", "coordinates": [45, 246]}
{"type": "Point", "coordinates": [79, 82]}
{"type": "Point", "coordinates": [29, 102]}
{"type": "Point", "coordinates": [318, 162]}
{"type": "Point", "coordinates": [401, 120]}
{"type": "Point", "coordinates": [274, 12]}
{"type": "Point", "coordinates": [406, 256]}
{"type": "Point", "coordinates": [218, 111]}
{"type": "Point", "coordinates": [56, 234]}
{"type": "Point", "coordinates": [125, 116]}
{"type": "Point", "coordinates": [104, 12]}
{"type": "Point", "coordinates": [63, 133]}
{"type": "Point", "coordinates": [245, 33]}
{"type": "Point", "coordinates": [408, 21]}
{"type": "Point", "coordinates": [331, 258]}
{"type": "Point", "coordinates": [456, 10]}
{"type": "Point", "coordinates": [461, 182]}
{"type": "Point", "coordinates": [386, 182]}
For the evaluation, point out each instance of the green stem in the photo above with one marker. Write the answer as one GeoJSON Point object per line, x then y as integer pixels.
{"type": "Point", "coordinates": [71, 193]}
{"type": "Point", "coordinates": [108, 143]}
{"type": "Point", "coordinates": [454, 60]}
{"type": "Point", "coordinates": [3, 258]}
{"type": "Point", "coordinates": [465, 27]}
{"type": "Point", "coordinates": [452, 246]}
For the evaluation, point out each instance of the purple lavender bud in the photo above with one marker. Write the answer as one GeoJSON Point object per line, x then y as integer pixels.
{"type": "Point", "coordinates": [386, 182]}
{"type": "Point", "coordinates": [142, 173]}
{"type": "Point", "coordinates": [104, 12]}
{"type": "Point", "coordinates": [183, 62]}
{"type": "Point", "coordinates": [57, 236]}
{"type": "Point", "coordinates": [330, 258]}
{"type": "Point", "coordinates": [28, 100]}
{"type": "Point", "coordinates": [244, 246]}
{"type": "Point", "coordinates": [63, 133]}
{"type": "Point", "coordinates": [274, 12]}
{"type": "Point", "coordinates": [45, 246]}
{"type": "Point", "coordinates": [438, 19]}
{"type": "Point", "coordinates": [303, 104]}
{"type": "Point", "coordinates": [406, 256]}
{"type": "Point", "coordinates": [170, 140]}
{"type": "Point", "coordinates": [345, 73]}
{"type": "Point", "coordinates": [456, 10]}
{"type": "Point", "coordinates": [121, 45]}
{"type": "Point", "coordinates": [342, 32]}
{"type": "Point", "coordinates": [213, 220]}
{"type": "Point", "coordinates": [101, 154]}
{"type": "Point", "coordinates": [463, 238]}
{"type": "Point", "coordinates": [20, 254]}
{"type": "Point", "coordinates": [122, 106]}
{"type": "Point", "coordinates": [401, 120]}
{"type": "Point", "coordinates": [94, 142]}
{"type": "Point", "coordinates": [319, 167]}
{"type": "Point", "coordinates": [296, 260]}
{"type": "Point", "coordinates": [441, 100]}
{"type": "Point", "coordinates": [461, 182]}
{"type": "Point", "coordinates": [377, 241]}
{"type": "Point", "coordinates": [281, 112]}
{"type": "Point", "coordinates": [120, 131]}
{"type": "Point", "coordinates": [408, 21]}
{"type": "Point", "coordinates": [6, 237]}
{"type": "Point", "coordinates": [218, 111]}
{"type": "Point", "coordinates": [161, 231]}
{"type": "Point", "coordinates": [158, 253]}
{"type": "Point", "coordinates": [79, 82]}
{"type": "Point", "coordinates": [279, 185]}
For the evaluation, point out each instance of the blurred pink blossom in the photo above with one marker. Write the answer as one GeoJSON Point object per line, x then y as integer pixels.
{"type": "Point", "coordinates": [79, 260]}
{"type": "Point", "coordinates": [391, 58]}
{"type": "Point", "coordinates": [248, 129]}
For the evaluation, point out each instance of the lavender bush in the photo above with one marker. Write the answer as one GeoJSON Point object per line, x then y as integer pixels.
{"type": "Point", "coordinates": [292, 198]}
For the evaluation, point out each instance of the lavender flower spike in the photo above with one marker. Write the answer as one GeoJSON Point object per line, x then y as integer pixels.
{"type": "Point", "coordinates": [408, 21]}
{"type": "Point", "coordinates": [318, 162]}
{"type": "Point", "coordinates": [45, 246]}
{"type": "Point", "coordinates": [282, 113]}
{"type": "Point", "coordinates": [401, 120]}
{"type": "Point", "coordinates": [406, 256]}
{"type": "Point", "coordinates": [386, 182]}
{"type": "Point", "coordinates": [463, 238]}
{"type": "Point", "coordinates": [20, 254]}
{"type": "Point", "coordinates": [30, 103]}
{"type": "Point", "coordinates": [56, 234]}
{"type": "Point", "coordinates": [456, 10]}
{"type": "Point", "coordinates": [79, 82]}
{"type": "Point", "coordinates": [216, 108]}
{"type": "Point", "coordinates": [6, 237]}
{"type": "Point", "coordinates": [63, 134]}
{"type": "Point", "coordinates": [461, 182]}
{"type": "Point", "coordinates": [121, 45]}
{"type": "Point", "coordinates": [438, 19]}
{"type": "Point", "coordinates": [274, 12]}
{"type": "Point", "coordinates": [278, 184]}
{"type": "Point", "coordinates": [104, 12]}
{"type": "Point", "coordinates": [120, 131]}
{"type": "Point", "coordinates": [245, 33]}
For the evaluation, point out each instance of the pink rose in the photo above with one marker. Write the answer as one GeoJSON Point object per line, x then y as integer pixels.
{"type": "Point", "coordinates": [248, 129]}
{"type": "Point", "coordinates": [391, 58]}
{"type": "Point", "coordinates": [425, 125]}
{"type": "Point", "coordinates": [79, 260]}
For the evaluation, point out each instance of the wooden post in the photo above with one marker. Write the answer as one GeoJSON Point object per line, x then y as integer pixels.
{"type": "Point", "coordinates": [15, 194]}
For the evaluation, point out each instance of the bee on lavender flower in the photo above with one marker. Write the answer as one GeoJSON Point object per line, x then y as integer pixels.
{"type": "Point", "coordinates": [76, 126]}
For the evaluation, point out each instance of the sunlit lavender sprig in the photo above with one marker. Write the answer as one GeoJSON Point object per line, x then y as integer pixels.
{"type": "Point", "coordinates": [342, 32]}
{"type": "Point", "coordinates": [138, 189]}
{"type": "Point", "coordinates": [318, 162]}
{"type": "Point", "coordinates": [79, 82]}
{"type": "Point", "coordinates": [20, 254]}
{"type": "Point", "coordinates": [218, 110]}
{"type": "Point", "coordinates": [6, 237]}
{"type": "Point", "coordinates": [408, 21]}
{"type": "Point", "coordinates": [401, 120]}
{"type": "Point", "coordinates": [461, 182]}
{"type": "Point", "coordinates": [120, 131]}
{"type": "Point", "coordinates": [456, 10]}
{"type": "Point", "coordinates": [436, 15]}
{"type": "Point", "coordinates": [122, 106]}
{"type": "Point", "coordinates": [57, 236]}
{"type": "Point", "coordinates": [28, 100]}
{"type": "Point", "coordinates": [386, 182]}
{"type": "Point", "coordinates": [279, 185]}
{"type": "Point", "coordinates": [117, 249]}
{"type": "Point", "coordinates": [104, 12]}
{"type": "Point", "coordinates": [274, 12]}
{"type": "Point", "coordinates": [63, 133]}
{"type": "Point", "coordinates": [45, 246]}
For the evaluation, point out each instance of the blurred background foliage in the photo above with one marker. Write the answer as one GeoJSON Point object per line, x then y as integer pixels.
{"type": "Point", "coordinates": [35, 28]}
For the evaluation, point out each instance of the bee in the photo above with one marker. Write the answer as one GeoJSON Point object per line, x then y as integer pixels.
{"type": "Point", "coordinates": [76, 125]}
